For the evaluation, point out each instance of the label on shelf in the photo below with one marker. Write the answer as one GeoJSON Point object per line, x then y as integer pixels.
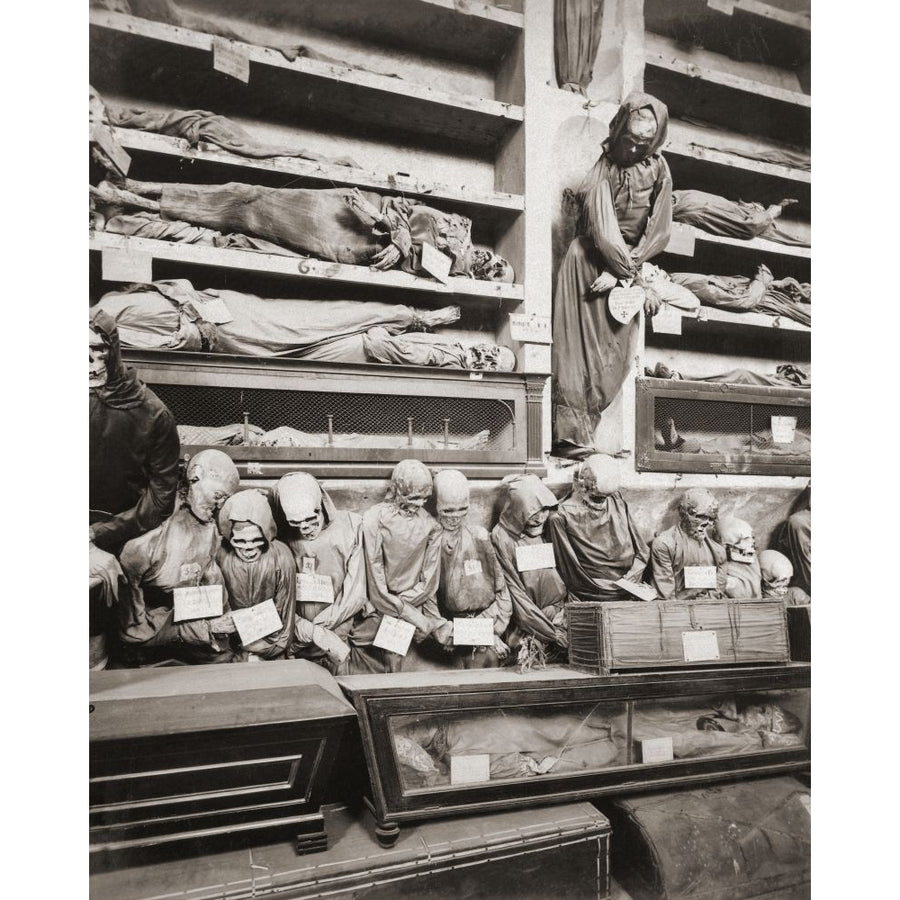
{"type": "Point", "coordinates": [201, 602]}
{"type": "Point", "coordinates": [256, 622]}
{"type": "Point", "coordinates": [312, 588]}
{"type": "Point", "coordinates": [103, 137]}
{"type": "Point", "coordinates": [624, 302]}
{"type": "Point", "coordinates": [535, 556]}
{"type": "Point", "coordinates": [699, 645]}
{"type": "Point", "coordinates": [126, 265]}
{"type": "Point", "coordinates": [436, 263]}
{"type": "Point", "coordinates": [783, 429]}
{"type": "Point", "coordinates": [699, 576]}
{"type": "Point", "coordinates": [471, 768]}
{"type": "Point", "coordinates": [639, 590]}
{"type": "Point", "coordinates": [667, 320]}
{"type": "Point", "coordinates": [231, 59]}
{"type": "Point", "coordinates": [682, 240]}
{"type": "Point", "coordinates": [655, 750]}
{"type": "Point", "coordinates": [394, 635]}
{"type": "Point", "coordinates": [478, 632]}
{"type": "Point", "coordinates": [531, 328]}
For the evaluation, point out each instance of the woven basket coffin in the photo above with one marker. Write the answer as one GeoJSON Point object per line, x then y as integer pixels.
{"type": "Point", "coordinates": [633, 635]}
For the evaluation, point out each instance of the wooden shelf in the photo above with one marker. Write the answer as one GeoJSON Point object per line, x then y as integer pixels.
{"type": "Point", "coordinates": [163, 145]}
{"type": "Point", "coordinates": [711, 317]}
{"type": "Point", "coordinates": [304, 85]}
{"type": "Point", "coordinates": [302, 268]}
{"type": "Point", "coordinates": [685, 237]}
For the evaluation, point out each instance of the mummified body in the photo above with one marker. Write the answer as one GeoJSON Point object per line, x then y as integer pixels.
{"type": "Point", "coordinates": [741, 566]}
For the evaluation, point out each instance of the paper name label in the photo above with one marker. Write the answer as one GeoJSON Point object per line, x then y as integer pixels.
{"type": "Point", "coordinates": [436, 263]}
{"type": "Point", "coordinates": [477, 632]}
{"type": "Point", "coordinates": [313, 588]}
{"type": "Point", "coordinates": [201, 602]}
{"type": "Point", "coordinates": [531, 328]}
{"type": "Point", "coordinates": [256, 622]}
{"type": "Point", "coordinates": [667, 320]}
{"type": "Point", "coordinates": [535, 556]}
{"type": "Point", "coordinates": [212, 309]}
{"type": "Point", "coordinates": [699, 576]}
{"type": "Point", "coordinates": [126, 265]}
{"type": "Point", "coordinates": [625, 302]}
{"type": "Point", "coordinates": [473, 768]}
{"type": "Point", "coordinates": [231, 59]}
{"type": "Point", "coordinates": [783, 428]}
{"type": "Point", "coordinates": [699, 645]}
{"type": "Point", "coordinates": [639, 590]}
{"type": "Point", "coordinates": [308, 566]}
{"type": "Point", "coordinates": [656, 750]}
{"type": "Point", "coordinates": [394, 635]}
{"type": "Point", "coordinates": [472, 567]}
{"type": "Point", "coordinates": [105, 140]}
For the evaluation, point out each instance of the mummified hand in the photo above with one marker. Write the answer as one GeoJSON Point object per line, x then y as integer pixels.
{"type": "Point", "coordinates": [500, 648]}
{"type": "Point", "coordinates": [652, 301]}
{"type": "Point", "coordinates": [386, 258]}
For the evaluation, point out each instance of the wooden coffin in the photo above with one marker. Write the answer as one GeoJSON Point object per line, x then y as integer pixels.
{"type": "Point", "coordinates": [184, 759]}
{"type": "Point", "coordinates": [608, 637]}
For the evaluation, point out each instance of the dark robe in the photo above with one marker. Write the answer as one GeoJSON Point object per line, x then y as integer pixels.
{"type": "Point", "coordinates": [672, 551]}
{"type": "Point", "coordinates": [798, 543]}
{"type": "Point", "coordinates": [625, 219]}
{"type": "Point", "coordinates": [133, 452]}
{"type": "Point", "coordinates": [594, 550]}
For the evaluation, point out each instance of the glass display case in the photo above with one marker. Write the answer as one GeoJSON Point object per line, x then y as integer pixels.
{"type": "Point", "coordinates": [441, 743]}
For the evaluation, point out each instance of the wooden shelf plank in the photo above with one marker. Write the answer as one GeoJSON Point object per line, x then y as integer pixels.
{"type": "Point", "coordinates": [303, 268]}
{"type": "Point", "coordinates": [714, 315]}
{"type": "Point", "coordinates": [683, 237]}
{"type": "Point", "coordinates": [765, 11]}
{"type": "Point", "coordinates": [131, 139]}
{"type": "Point", "coordinates": [722, 158]}
{"type": "Point", "coordinates": [486, 11]}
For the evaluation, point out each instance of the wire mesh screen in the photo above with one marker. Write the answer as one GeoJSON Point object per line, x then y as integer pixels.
{"type": "Point", "coordinates": [209, 415]}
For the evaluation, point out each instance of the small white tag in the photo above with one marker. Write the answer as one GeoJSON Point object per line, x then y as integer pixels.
{"type": "Point", "coordinates": [472, 567]}
{"type": "Point", "coordinates": [655, 750]}
{"type": "Point", "coordinates": [394, 635]}
{"type": "Point", "coordinates": [639, 590]}
{"type": "Point", "coordinates": [783, 428]}
{"type": "Point", "coordinates": [473, 768]}
{"type": "Point", "coordinates": [699, 645]}
{"type": "Point", "coordinates": [478, 632]}
{"type": "Point", "coordinates": [308, 566]}
{"type": "Point", "coordinates": [682, 240]}
{"type": "Point", "coordinates": [231, 59]}
{"type": "Point", "coordinates": [805, 802]}
{"type": "Point", "coordinates": [531, 328]}
{"type": "Point", "coordinates": [625, 302]}
{"type": "Point", "coordinates": [202, 602]}
{"type": "Point", "coordinates": [254, 468]}
{"type": "Point", "coordinates": [535, 556]}
{"type": "Point", "coordinates": [106, 141]}
{"type": "Point", "coordinates": [667, 320]}
{"type": "Point", "coordinates": [699, 576]}
{"type": "Point", "coordinates": [436, 263]}
{"type": "Point", "coordinates": [256, 622]}
{"type": "Point", "coordinates": [212, 309]}
{"type": "Point", "coordinates": [475, 376]}
{"type": "Point", "coordinates": [313, 588]}
{"type": "Point", "coordinates": [126, 265]}
{"type": "Point", "coordinates": [189, 574]}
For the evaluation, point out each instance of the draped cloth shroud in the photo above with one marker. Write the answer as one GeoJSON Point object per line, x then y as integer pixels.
{"type": "Point", "coordinates": [747, 576]}
{"type": "Point", "coordinates": [798, 543]}
{"type": "Point", "coordinates": [672, 551]}
{"type": "Point", "coordinates": [625, 218]}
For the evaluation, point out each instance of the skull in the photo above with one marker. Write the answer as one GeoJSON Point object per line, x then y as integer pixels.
{"type": "Point", "coordinates": [737, 536]}
{"type": "Point", "coordinates": [598, 477]}
{"type": "Point", "coordinates": [698, 510]}
{"type": "Point", "coordinates": [410, 486]}
{"type": "Point", "coordinates": [300, 498]}
{"type": "Point", "coordinates": [534, 525]}
{"type": "Point", "coordinates": [488, 266]}
{"type": "Point", "coordinates": [490, 358]}
{"type": "Point", "coordinates": [99, 354]}
{"type": "Point", "coordinates": [632, 144]}
{"type": "Point", "coordinates": [247, 541]}
{"type": "Point", "coordinates": [211, 478]}
{"type": "Point", "coordinates": [776, 571]}
{"type": "Point", "coordinates": [452, 496]}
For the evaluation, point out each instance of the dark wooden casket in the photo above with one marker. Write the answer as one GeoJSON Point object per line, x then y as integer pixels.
{"type": "Point", "coordinates": [188, 758]}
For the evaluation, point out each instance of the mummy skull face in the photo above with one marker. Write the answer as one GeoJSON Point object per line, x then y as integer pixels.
{"type": "Point", "coordinates": [488, 266]}
{"type": "Point", "coordinates": [300, 498]}
{"type": "Point", "coordinates": [737, 536]}
{"type": "Point", "coordinates": [632, 145]}
{"type": "Point", "coordinates": [410, 487]}
{"type": "Point", "coordinates": [247, 541]}
{"type": "Point", "coordinates": [776, 571]}
{"type": "Point", "coordinates": [99, 354]}
{"type": "Point", "coordinates": [698, 510]}
{"type": "Point", "coordinates": [534, 525]}
{"type": "Point", "coordinates": [451, 490]}
{"type": "Point", "coordinates": [490, 357]}
{"type": "Point", "coordinates": [597, 479]}
{"type": "Point", "coordinates": [212, 478]}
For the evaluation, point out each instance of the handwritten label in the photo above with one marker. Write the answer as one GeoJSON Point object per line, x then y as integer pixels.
{"type": "Point", "coordinates": [254, 468]}
{"type": "Point", "coordinates": [231, 59]}
{"type": "Point", "coordinates": [783, 429]}
{"type": "Point", "coordinates": [256, 622]}
{"type": "Point", "coordinates": [682, 240]}
{"type": "Point", "coordinates": [472, 768]}
{"type": "Point", "coordinates": [699, 576]}
{"type": "Point", "coordinates": [477, 632]}
{"type": "Point", "coordinates": [475, 376]}
{"type": "Point", "coordinates": [667, 320]}
{"type": "Point", "coordinates": [313, 588]}
{"type": "Point", "coordinates": [200, 602]}
{"type": "Point", "coordinates": [535, 556]}
{"type": "Point", "coordinates": [623, 303]}
{"type": "Point", "coordinates": [212, 309]}
{"type": "Point", "coordinates": [532, 328]}
{"type": "Point", "coordinates": [126, 265]}
{"type": "Point", "coordinates": [308, 566]}
{"type": "Point", "coordinates": [394, 635]}
{"type": "Point", "coordinates": [699, 645]}
{"type": "Point", "coordinates": [472, 567]}
{"type": "Point", "coordinates": [104, 138]}
{"type": "Point", "coordinates": [656, 750]}
{"type": "Point", "coordinates": [639, 590]}
{"type": "Point", "coordinates": [436, 263]}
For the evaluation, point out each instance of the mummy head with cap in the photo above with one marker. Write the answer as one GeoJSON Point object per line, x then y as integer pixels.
{"type": "Point", "coordinates": [737, 537]}
{"type": "Point", "coordinates": [410, 486]}
{"type": "Point", "coordinates": [776, 571]}
{"type": "Point", "coordinates": [451, 489]}
{"type": "Point", "coordinates": [212, 478]}
{"type": "Point", "coordinates": [698, 510]}
{"type": "Point", "coordinates": [598, 477]}
{"type": "Point", "coordinates": [299, 496]}
{"type": "Point", "coordinates": [246, 522]}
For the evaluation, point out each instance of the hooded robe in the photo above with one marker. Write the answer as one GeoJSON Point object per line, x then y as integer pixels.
{"type": "Point", "coordinates": [133, 451]}
{"type": "Point", "coordinates": [673, 550]}
{"type": "Point", "coordinates": [271, 576]}
{"type": "Point", "coordinates": [798, 544]}
{"type": "Point", "coordinates": [625, 218]}
{"type": "Point", "coordinates": [538, 596]}
{"type": "Point", "coordinates": [595, 549]}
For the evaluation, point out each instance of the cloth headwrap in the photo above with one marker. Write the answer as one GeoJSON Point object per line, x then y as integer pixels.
{"type": "Point", "coordinates": [122, 390]}
{"type": "Point", "coordinates": [731, 530]}
{"type": "Point", "coordinates": [774, 565]}
{"type": "Point", "coordinates": [247, 506]}
{"type": "Point", "coordinates": [297, 496]}
{"type": "Point", "coordinates": [605, 472]}
{"type": "Point", "coordinates": [451, 487]}
{"type": "Point", "coordinates": [409, 475]}
{"type": "Point", "coordinates": [619, 123]}
{"type": "Point", "coordinates": [217, 464]}
{"type": "Point", "coordinates": [527, 494]}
